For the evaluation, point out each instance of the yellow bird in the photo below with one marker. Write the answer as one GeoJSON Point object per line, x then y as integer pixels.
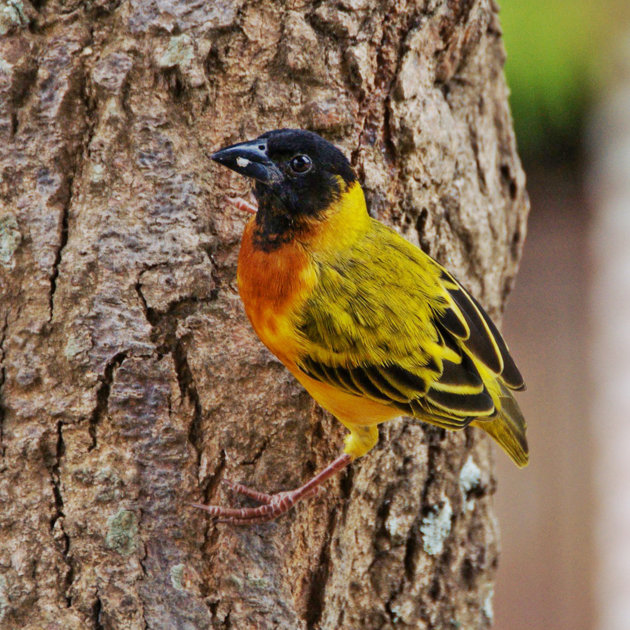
{"type": "Point", "coordinates": [369, 324]}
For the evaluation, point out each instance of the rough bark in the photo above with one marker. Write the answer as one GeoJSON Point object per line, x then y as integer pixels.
{"type": "Point", "coordinates": [131, 381]}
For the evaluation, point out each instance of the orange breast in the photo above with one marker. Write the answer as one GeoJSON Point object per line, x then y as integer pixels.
{"type": "Point", "coordinates": [273, 286]}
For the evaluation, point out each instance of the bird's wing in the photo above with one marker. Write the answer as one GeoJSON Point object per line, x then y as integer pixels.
{"type": "Point", "coordinates": [478, 334]}
{"type": "Point", "coordinates": [387, 322]}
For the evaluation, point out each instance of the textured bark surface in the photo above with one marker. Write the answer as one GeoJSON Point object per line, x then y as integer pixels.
{"type": "Point", "coordinates": [131, 381]}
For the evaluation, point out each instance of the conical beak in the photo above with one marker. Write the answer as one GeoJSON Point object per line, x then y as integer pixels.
{"type": "Point", "coordinates": [250, 159]}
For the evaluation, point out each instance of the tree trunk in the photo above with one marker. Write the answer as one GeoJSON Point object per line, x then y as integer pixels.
{"type": "Point", "coordinates": [131, 380]}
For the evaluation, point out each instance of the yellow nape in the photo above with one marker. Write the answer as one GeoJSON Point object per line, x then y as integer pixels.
{"type": "Point", "coordinates": [344, 222]}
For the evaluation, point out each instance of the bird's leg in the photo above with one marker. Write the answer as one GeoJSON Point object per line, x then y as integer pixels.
{"type": "Point", "coordinates": [242, 204]}
{"type": "Point", "coordinates": [273, 504]}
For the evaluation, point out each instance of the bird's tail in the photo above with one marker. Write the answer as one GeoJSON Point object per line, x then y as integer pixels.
{"type": "Point", "coordinates": [507, 428]}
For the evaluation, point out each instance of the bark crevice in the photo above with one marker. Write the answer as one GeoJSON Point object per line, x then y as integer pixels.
{"type": "Point", "coordinates": [164, 335]}
{"type": "Point", "coordinates": [57, 520]}
{"type": "Point", "coordinates": [188, 389]}
{"type": "Point", "coordinates": [102, 397]}
{"type": "Point", "coordinates": [96, 613]}
{"type": "Point", "coordinates": [319, 578]}
{"type": "Point", "coordinates": [77, 159]}
{"type": "Point", "coordinates": [63, 240]}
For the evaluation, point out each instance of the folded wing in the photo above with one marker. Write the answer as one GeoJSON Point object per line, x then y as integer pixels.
{"type": "Point", "coordinates": [402, 331]}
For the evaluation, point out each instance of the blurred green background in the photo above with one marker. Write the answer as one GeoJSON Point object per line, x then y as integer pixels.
{"type": "Point", "coordinates": [556, 66]}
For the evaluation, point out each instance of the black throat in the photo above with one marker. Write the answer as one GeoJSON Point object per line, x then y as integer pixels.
{"type": "Point", "coordinates": [287, 210]}
{"type": "Point", "coordinates": [276, 225]}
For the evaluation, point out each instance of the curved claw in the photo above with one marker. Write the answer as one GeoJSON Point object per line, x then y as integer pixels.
{"type": "Point", "coordinates": [261, 497]}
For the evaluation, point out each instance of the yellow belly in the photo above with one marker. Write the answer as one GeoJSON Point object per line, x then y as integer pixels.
{"type": "Point", "coordinates": [352, 411]}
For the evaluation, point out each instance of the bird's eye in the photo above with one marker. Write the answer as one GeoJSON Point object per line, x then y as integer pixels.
{"type": "Point", "coordinates": [301, 164]}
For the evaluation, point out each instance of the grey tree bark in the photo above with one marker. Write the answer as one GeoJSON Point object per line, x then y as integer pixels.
{"type": "Point", "coordinates": [131, 380]}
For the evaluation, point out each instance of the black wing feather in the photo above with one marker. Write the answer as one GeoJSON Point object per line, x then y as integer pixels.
{"type": "Point", "coordinates": [385, 383]}
{"type": "Point", "coordinates": [511, 374]}
{"type": "Point", "coordinates": [484, 340]}
{"type": "Point", "coordinates": [479, 342]}
{"type": "Point", "coordinates": [380, 381]}
{"type": "Point", "coordinates": [467, 404]}
{"type": "Point", "coordinates": [464, 373]}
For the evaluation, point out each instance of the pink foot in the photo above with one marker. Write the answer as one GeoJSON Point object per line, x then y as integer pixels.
{"type": "Point", "coordinates": [242, 204]}
{"type": "Point", "coordinates": [273, 505]}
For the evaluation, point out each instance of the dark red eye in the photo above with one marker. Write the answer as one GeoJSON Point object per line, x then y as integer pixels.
{"type": "Point", "coordinates": [300, 164]}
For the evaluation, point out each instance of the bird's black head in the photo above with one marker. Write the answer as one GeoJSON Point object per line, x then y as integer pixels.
{"type": "Point", "coordinates": [298, 176]}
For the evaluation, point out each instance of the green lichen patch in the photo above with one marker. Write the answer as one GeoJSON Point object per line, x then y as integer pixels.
{"type": "Point", "coordinates": [177, 574]}
{"type": "Point", "coordinates": [122, 532]}
{"type": "Point", "coordinates": [469, 479]}
{"type": "Point", "coordinates": [180, 52]}
{"type": "Point", "coordinates": [12, 15]}
{"type": "Point", "coordinates": [10, 235]}
{"type": "Point", "coordinates": [4, 600]}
